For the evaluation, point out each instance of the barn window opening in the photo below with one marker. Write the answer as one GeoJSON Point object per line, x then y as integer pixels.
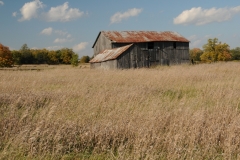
{"type": "Point", "coordinates": [174, 45]}
{"type": "Point", "coordinates": [150, 45]}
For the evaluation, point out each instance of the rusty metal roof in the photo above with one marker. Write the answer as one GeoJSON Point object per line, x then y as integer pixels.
{"type": "Point", "coordinates": [143, 36]}
{"type": "Point", "coordinates": [110, 54]}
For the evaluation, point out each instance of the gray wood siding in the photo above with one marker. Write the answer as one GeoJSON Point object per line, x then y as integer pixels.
{"type": "Point", "coordinates": [112, 64]}
{"type": "Point", "coordinates": [182, 45]}
{"type": "Point", "coordinates": [123, 61]}
{"type": "Point", "coordinates": [95, 65]}
{"type": "Point", "coordinates": [163, 53]}
{"type": "Point", "coordinates": [102, 43]}
{"type": "Point", "coordinates": [117, 45]}
{"type": "Point", "coordinates": [138, 55]}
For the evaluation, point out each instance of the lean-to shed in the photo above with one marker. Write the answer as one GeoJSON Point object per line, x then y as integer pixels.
{"type": "Point", "coordinates": [136, 49]}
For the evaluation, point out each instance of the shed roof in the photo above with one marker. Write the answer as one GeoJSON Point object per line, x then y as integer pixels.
{"type": "Point", "coordinates": [142, 36]}
{"type": "Point", "coordinates": [110, 54]}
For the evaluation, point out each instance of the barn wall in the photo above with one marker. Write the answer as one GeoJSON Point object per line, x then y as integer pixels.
{"type": "Point", "coordinates": [101, 44]}
{"type": "Point", "coordinates": [164, 53]}
{"type": "Point", "coordinates": [112, 64]}
{"type": "Point", "coordinates": [95, 65]}
{"type": "Point", "coordinates": [138, 56]}
{"type": "Point", "coordinates": [132, 58]}
{"type": "Point", "coordinates": [124, 60]}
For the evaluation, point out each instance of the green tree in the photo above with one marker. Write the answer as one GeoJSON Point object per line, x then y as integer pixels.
{"type": "Point", "coordinates": [27, 57]}
{"type": "Point", "coordinates": [40, 56]}
{"type": "Point", "coordinates": [215, 51]}
{"type": "Point", "coordinates": [59, 56]}
{"type": "Point", "coordinates": [17, 57]}
{"type": "Point", "coordinates": [6, 59]}
{"type": "Point", "coordinates": [74, 60]}
{"type": "Point", "coordinates": [235, 53]}
{"type": "Point", "coordinates": [84, 59]}
{"type": "Point", "coordinates": [195, 54]}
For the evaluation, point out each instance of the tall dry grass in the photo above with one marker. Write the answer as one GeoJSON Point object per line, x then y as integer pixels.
{"type": "Point", "coordinates": [177, 112]}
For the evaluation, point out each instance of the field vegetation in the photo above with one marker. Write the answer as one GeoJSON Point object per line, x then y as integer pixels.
{"type": "Point", "coordinates": [176, 112]}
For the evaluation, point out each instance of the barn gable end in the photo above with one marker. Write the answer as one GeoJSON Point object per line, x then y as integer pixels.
{"type": "Point", "coordinates": [101, 43]}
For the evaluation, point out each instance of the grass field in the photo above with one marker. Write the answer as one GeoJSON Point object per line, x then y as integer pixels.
{"type": "Point", "coordinates": [176, 112]}
{"type": "Point", "coordinates": [40, 67]}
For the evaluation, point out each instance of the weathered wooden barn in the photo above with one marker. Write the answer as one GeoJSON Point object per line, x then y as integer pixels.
{"type": "Point", "coordinates": [136, 49]}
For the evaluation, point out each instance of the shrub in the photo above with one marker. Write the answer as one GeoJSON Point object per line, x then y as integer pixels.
{"type": "Point", "coordinates": [85, 59]}
{"type": "Point", "coordinates": [74, 60]}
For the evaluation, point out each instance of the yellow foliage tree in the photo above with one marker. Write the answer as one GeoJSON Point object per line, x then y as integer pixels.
{"type": "Point", "coordinates": [66, 55]}
{"type": "Point", "coordinates": [52, 57]}
{"type": "Point", "coordinates": [215, 51]}
{"type": "Point", "coordinates": [6, 59]}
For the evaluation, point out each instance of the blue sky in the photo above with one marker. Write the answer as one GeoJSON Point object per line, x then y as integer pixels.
{"type": "Point", "coordinates": [75, 24]}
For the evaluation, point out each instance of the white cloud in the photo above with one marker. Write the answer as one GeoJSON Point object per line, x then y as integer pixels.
{"type": "Point", "coordinates": [192, 37]}
{"type": "Point", "coordinates": [63, 33]}
{"type": "Point", "coordinates": [62, 13]}
{"type": "Point", "coordinates": [61, 40]}
{"type": "Point", "coordinates": [34, 48]}
{"type": "Point", "coordinates": [199, 16]}
{"type": "Point", "coordinates": [79, 47]}
{"type": "Point", "coordinates": [47, 31]}
{"type": "Point", "coordinates": [118, 17]}
{"type": "Point", "coordinates": [14, 14]}
{"type": "Point", "coordinates": [60, 32]}
{"type": "Point", "coordinates": [207, 36]}
{"type": "Point", "coordinates": [54, 47]}
{"type": "Point", "coordinates": [66, 36]}
{"type": "Point", "coordinates": [30, 10]}
{"type": "Point", "coordinates": [1, 3]}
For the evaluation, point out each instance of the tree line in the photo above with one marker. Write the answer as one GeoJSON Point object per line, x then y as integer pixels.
{"type": "Point", "coordinates": [214, 51]}
{"type": "Point", "coordinates": [38, 56]}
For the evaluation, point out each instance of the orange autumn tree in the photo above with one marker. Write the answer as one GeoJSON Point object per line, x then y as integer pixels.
{"type": "Point", "coordinates": [6, 59]}
{"type": "Point", "coordinates": [195, 54]}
